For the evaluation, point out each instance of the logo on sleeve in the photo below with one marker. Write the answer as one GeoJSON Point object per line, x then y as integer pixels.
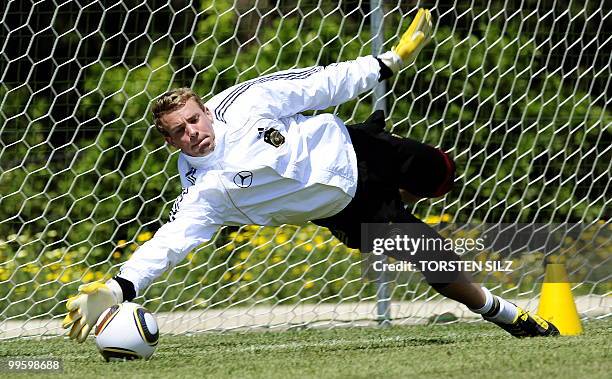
{"type": "Point", "coordinates": [190, 175]}
{"type": "Point", "coordinates": [177, 204]}
{"type": "Point", "coordinates": [243, 179]}
{"type": "Point", "coordinates": [274, 137]}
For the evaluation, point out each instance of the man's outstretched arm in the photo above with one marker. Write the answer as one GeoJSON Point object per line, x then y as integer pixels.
{"type": "Point", "coordinates": [189, 228]}
{"type": "Point", "coordinates": [290, 92]}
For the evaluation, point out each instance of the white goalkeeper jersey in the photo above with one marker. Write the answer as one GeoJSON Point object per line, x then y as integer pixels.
{"type": "Point", "coordinates": [271, 164]}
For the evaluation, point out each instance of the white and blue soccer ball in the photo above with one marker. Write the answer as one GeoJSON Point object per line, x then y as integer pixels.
{"type": "Point", "coordinates": [126, 331]}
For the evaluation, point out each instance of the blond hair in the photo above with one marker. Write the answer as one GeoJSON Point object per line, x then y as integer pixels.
{"type": "Point", "coordinates": [171, 101]}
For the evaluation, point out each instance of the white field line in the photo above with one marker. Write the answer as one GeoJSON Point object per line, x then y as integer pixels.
{"type": "Point", "coordinates": [262, 317]}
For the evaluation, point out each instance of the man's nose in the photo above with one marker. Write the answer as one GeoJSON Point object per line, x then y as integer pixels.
{"type": "Point", "coordinates": [191, 130]}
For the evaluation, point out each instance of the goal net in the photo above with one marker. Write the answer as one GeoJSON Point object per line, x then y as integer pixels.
{"type": "Point", "coordinates": [516, 91]}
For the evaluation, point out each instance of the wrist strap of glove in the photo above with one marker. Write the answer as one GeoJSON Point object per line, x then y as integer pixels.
{"type": "Point", "coordinates": [116, 290]}
{"type": "Point", "coordinates": [391, 60]}
{"type": "Point", "coordinates": [385, 72]}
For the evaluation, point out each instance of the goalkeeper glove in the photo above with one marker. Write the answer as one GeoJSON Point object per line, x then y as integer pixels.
{"type": "Point", "coordinates": [411, 43]}
{"type": "Point", "coordinates": [85, 308]}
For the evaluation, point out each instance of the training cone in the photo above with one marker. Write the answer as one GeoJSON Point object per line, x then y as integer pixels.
{"type": "Point", "coordinates": [557, 303]}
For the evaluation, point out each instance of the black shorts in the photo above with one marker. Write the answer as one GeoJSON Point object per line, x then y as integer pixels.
{"type": "Point", "coordinates": [385, 164]}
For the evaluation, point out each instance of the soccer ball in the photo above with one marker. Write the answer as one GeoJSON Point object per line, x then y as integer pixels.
{"type": "Point", "coordinates": [126, 331]}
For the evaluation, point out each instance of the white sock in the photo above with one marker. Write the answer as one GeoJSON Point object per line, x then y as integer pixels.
{"type": "Point", "coordinates": [497, 309]}
{"type": "Point", "coordinates": [488, 303]}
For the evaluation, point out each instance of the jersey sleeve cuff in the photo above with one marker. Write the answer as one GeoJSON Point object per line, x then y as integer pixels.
{"type": "Point", "coordinates": [385, 71]}
{"type": "Point", "coordinates": [391, 60]}
{"type": "Point", "coordinates": [127, 288]}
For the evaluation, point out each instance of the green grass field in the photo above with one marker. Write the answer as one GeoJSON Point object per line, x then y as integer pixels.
{"type": "Point", "coordinates": [440, 351]}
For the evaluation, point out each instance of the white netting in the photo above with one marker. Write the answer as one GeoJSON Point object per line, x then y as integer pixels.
{"type": "Point", "coordinates": [518, 93]}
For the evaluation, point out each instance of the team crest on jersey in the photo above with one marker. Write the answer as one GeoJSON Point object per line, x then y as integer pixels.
{"type": "Point", "coordinates": [271, 136]}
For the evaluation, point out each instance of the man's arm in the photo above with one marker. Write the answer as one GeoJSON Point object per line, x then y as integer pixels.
{"type": "Point", "coordinates": [191, 225]}
{"type": "Point", "coordinates": [315, 88]}
{"type": "Point", "coordinates": [293, 91]}
{"type": "Point", "coordinates": [169, 246]}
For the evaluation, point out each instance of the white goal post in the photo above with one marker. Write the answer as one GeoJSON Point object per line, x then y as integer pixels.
{"type": "Point", "coordinates": [518, 92]}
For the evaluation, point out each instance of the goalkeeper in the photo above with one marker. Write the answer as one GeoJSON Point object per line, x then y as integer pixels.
{"type": "Point", "coordinates": [248, 156]}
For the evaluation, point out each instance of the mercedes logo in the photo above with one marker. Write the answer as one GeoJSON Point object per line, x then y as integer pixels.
{"type": "Point", "coordinates": [243, 179]}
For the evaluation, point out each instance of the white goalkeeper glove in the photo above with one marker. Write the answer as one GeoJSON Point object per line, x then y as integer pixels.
{"type": "Point", "coordinates": [85, 308]}
{"type": "Point", "coordinates": [411, 43]}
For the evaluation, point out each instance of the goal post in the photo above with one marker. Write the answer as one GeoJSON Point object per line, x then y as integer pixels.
{"type": "Point", "coordinates": [517, 93]}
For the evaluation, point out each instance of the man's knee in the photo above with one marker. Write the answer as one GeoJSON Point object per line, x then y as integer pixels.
{"type": "Point", "coordinates": [447, 175]}
{"type": "Point", "coordinates": [430, 174]}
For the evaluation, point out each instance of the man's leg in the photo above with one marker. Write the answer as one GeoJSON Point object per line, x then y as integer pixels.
{"type": "Point", "coordinates": [386, 164]}
{"type": "Point", "coordinates": [464, 291]}
{"type": "Point", "coordinates": [459, 286]}
{"type": "Point", "coordinates": [438, 180]}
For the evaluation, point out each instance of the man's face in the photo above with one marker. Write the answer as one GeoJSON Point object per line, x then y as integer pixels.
{"type": "Point", "coordinates": [190, 129]}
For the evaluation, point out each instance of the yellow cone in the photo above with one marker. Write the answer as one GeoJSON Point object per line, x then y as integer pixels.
{"type": "Point", "coordinates": [557, 303]}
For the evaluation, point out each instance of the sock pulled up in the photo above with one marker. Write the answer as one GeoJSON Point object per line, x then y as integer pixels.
{"type": "Point", "coordinates": [497, 309]}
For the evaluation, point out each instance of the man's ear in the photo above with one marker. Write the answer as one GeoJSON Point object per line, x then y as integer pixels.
{"type": "Point", "coordinates": [169, 141]}
{"type": "Point", "coordinates": [207, 112]}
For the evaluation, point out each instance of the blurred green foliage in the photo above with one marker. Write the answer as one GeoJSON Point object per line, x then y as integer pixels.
{"type": "Point", "coordinates": [251, 265]}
